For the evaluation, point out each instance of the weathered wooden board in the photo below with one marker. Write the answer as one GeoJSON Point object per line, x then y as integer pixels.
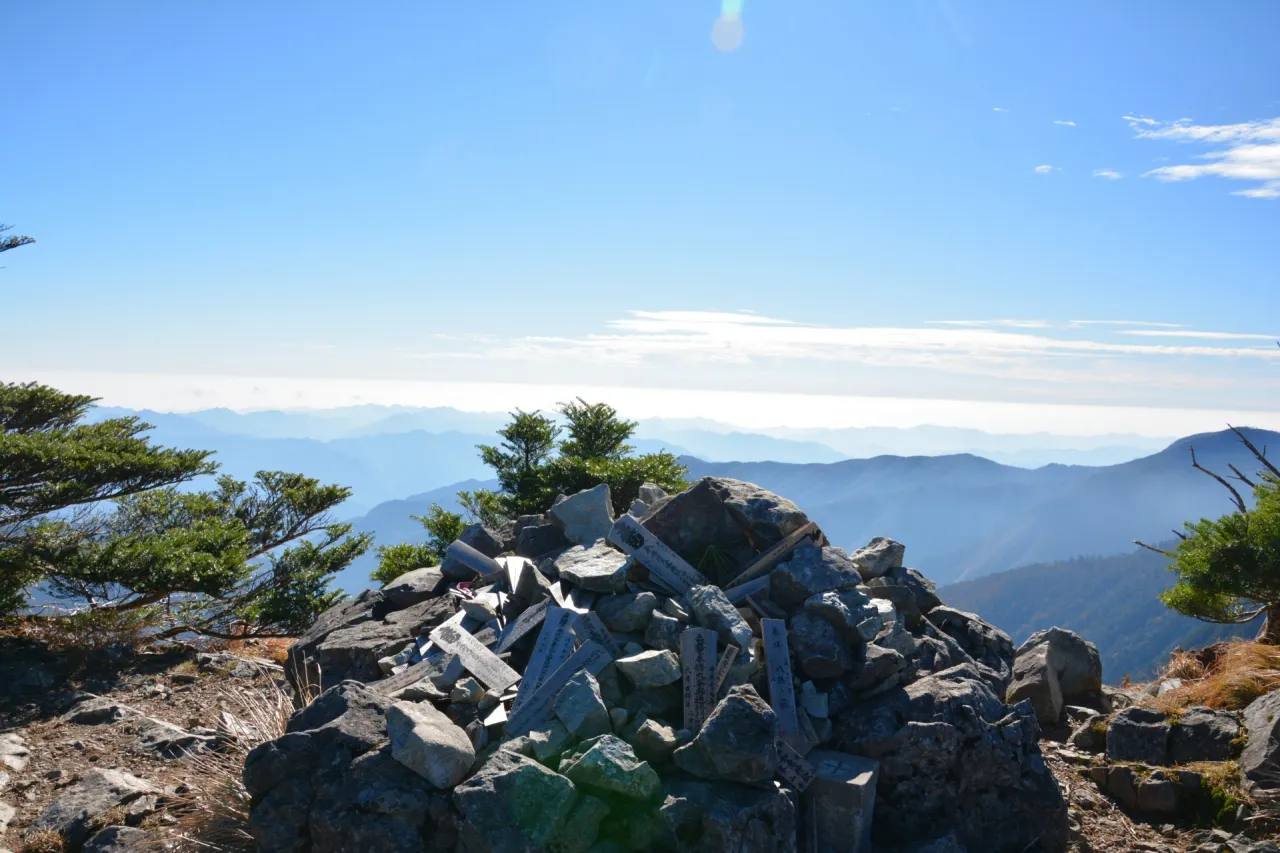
{"type": "Point", "coordinates": [590, 627]}
{"type": "Point", "coordinates": [777, 658]}
{"type": "Point", "coordinates": [727, 657]}
{"type": "Point", "coordinates": [592, 657]}
{"type": "Point", "coordinates": [738, 594]}
{"type": "Point", "coordinates": [698, 659]}
{"type": "Point", "coordinates": [792, 767]}
{"type": "Point", "coordinates": [524, 623]}
{"type": "Point", "coordinates": [766, 561]}
{"type": "Point", "coordinates": [477, 659]}
{"type": "Point", "coordinates": [555, 644]}
{"type": "Point", "coordinates": [652, 553]}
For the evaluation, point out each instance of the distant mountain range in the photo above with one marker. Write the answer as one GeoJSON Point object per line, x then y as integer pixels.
{"type": "Point", "coordinates": [1110, 601]}
{"type": "Point", "coordinates": [964, 516]}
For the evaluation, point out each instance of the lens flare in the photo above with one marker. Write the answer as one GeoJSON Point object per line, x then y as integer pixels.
{"type": "Point", "coordinates": [728, 32]}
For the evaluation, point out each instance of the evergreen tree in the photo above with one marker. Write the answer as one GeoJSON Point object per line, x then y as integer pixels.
{"type": "Point", "coordinates": [1229, 568]}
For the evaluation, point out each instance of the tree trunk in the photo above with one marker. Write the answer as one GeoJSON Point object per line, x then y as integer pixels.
{"type": "Point", "coordinates": [1270, 633]}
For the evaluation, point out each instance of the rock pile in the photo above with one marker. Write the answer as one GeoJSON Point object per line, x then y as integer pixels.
{"type": "Point", "coordinates": [703, 673]}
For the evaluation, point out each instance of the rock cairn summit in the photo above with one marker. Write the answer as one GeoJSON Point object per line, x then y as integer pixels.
{"type": "Point", "coordinates": [705, 672]}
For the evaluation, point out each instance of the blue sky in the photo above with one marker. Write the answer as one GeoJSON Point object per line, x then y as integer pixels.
{"type": "Point", "coordinates": [411, 202]}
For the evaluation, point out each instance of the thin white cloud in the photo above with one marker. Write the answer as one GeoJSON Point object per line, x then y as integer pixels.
{"type": "Point", "coordinates": [999, 110]}
{"type": "Point", "coordinates": [1010, 323]}
{"type": "Point", "coordinates": [1044, 169]}
{"type": "Point", "coordinates": [1109, 174]}
{"type": "Point", "coordinates": [1140, 120]}
{"type": "Point", "coordinates": [1124, 323]}
{"type": "Point", "coordinates": [1064, 123]}
{"type": "Point", "coordinates": [1252, 153]}
{"type": "Point", "coordinates": [1208, 336]}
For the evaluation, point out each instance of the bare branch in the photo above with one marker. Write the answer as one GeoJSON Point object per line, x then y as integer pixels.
{"type": "Point", "coordinates": [1244, 509]}
{"type": "Point", "coordinates": [1180, 535]}
{"type": "Point", "coordinates": [1260, 454]}
{"type": "Point", "coordinates": [1241, 477]}
{"type": "Point", "coordinates": [1142, 544]}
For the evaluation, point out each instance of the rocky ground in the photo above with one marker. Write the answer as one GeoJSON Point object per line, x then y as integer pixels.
{"type": "Point", "coordinates": [117, 725]}
{"type": "Point", "coordinates": [594, 692]}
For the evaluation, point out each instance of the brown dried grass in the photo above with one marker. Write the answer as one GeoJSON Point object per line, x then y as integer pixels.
{"type": "Point", "coordinates": [43, 841]}
{"type": "Point", "coordinates": [1227, 676]}
{"type": "Point", "coordinates": [215, 816]}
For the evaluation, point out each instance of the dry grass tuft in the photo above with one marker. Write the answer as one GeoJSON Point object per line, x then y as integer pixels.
{"type": "Point", "coordinates": [215, 817]}
{"type": "Point", "coordinates": [43, 841]}
{"type": "Point", "coordinates": [1227, 676]}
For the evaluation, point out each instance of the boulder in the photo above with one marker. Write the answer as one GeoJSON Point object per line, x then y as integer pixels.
{"type": "Point", "coordinates": [736, 519]}
{"type": "Point", "coordinates": [428, 743]}
{"type": "Point", "coordinates": [839, 802]}
{"type": "Point", "coordinates": [650, 668]}
{"type": "Point", "coordinates": [536, 540]}
{"type": "Point", "coordinates": [713, 610]}
{"type": "Point", "coordinates": [850, 612]}
{"type": "Point", "coordinates": [986, 644]}
{"type": "Point", "coordinates": [512, 804]}
{"type": "Point", "coordinates": [736, 743]}
{"type": "Point", "coordinates": [96, 711]}
{"type": "Point", "coordinates": [954, 758]}
{"type": "Point", "coordinates": [1260, 760]}
{"type": "Point", "coordinates": [169, 741]}
{"type": "Point", "coordinates": [717, 818]}
{"type": "Point", "coordinates": [627, 614]}
{"type": "Point", "coordinates": [1056, 667]}
{"type": "Point", "coordinates": [877, 557]}
{"type": "Point", "coordinates": [580, 707]}
{"type": "Point", "coordinates": [811, 571]}
{"type": "Point", "coordinates": [663, 632]}
{"type": "Point", "coordinates": [549, 741]}
{"type": "Point", "coordinates": [1203, 734]}
{"type": "Point", "coordinates": [596, 568]}
{"type": "Point", "coordinates": [655, 742]}
{"type": "Point", "coordinates": [74, 813]}
{"type": "Point", "coordinates": [607, 765]}
{"type": "Point", "coordinates": [487, 542]}
{"type": "Point", "coordinates": [818, 647]}
{"type": "Point", "coordinates": [414, 586]}
{"type": "Point", "coordinates": [1139, 734]}
{"type": "Point", "coordinates": [586, 516]}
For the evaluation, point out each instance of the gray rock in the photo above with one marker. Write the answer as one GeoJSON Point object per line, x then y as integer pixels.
{"type": "Point", "coordinates": [549, 741]}
{"type": "Point", "coordinates": [627, 614]}
{"type": "Point", "coordinates": [839, 802]}
{"type": "Point", "coordinates": [609, 766]}
{"type": "Point", "coordinates": [811, 571]}
{"type": "Point", "coordinates": [651, 493]}
{"type": "Point", "coordinates": [655, 742]}
{"type": "Point", "coordinates": [467, 691]}
{"type": "Point", "coordinates": [663, 632]}
{"type": "Point", "coordinates": [119, 839]}
{"type": "Point", "coordinates": [537, 540]}
{"type": "Point", "coordinates": [912, 594]}
{"type": "Point", "coordinates": [1139, 734]}
{"type": "Point", "coordinates": [7, 813]}
{"type": "Point", "coordinates": [167, 740]}
{"type": "Point", "coordinates": [414, 586]}
{"type": "Point", "coordinates": [74, 812]}
{"type": "Point", "coordinates": [650, 668]}
{"type": "Point", "coordinates": [818, 647]}
{"type": "Point", "coordinates": [487, 542]}
{"type": "Point", "coordinates": [877, 557]}
{"type": "Point", "coordinates": [428, 743]}
{"type": "Point", "coordinates": [596, 568]}
{"type": "Point", "coordinates": [1157, 796]}
{"type": "Point", "coordinates": [585, 517]}
{"type": "Point", "coordinates": [513, 805]}
{"type": "Point", "coordinates": [1061, 656]}
{"type": "Point", "coordinates": [96, 711]}
{"type": "Point", "coordinates": [954, 758]}
{"type": "Point", "coordinates": [850, 612]}
{"type": "Point", "coordinates": [1260, 760]}
{"type": "Point", "coordinates": [737, 519]}
{"type": "Point", "coordinates": [580, 707]}
{"type": "Point", "coordinates": [875, 666]}
{"type": "Point", "coordinates": [712, 610]}
{"type": "Point", "coordinates": [1203, 734]}
{"type": "Point", "coordinates": [1090, 736]}
{"type": "Point", "coordinates": [714, 818]}
{"type": "Point", "coordinates": [736, 743]}
{"type": "Point", "coordinates": [983, 642]}
{"type": "Point", "coordinates": [14, 752]}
